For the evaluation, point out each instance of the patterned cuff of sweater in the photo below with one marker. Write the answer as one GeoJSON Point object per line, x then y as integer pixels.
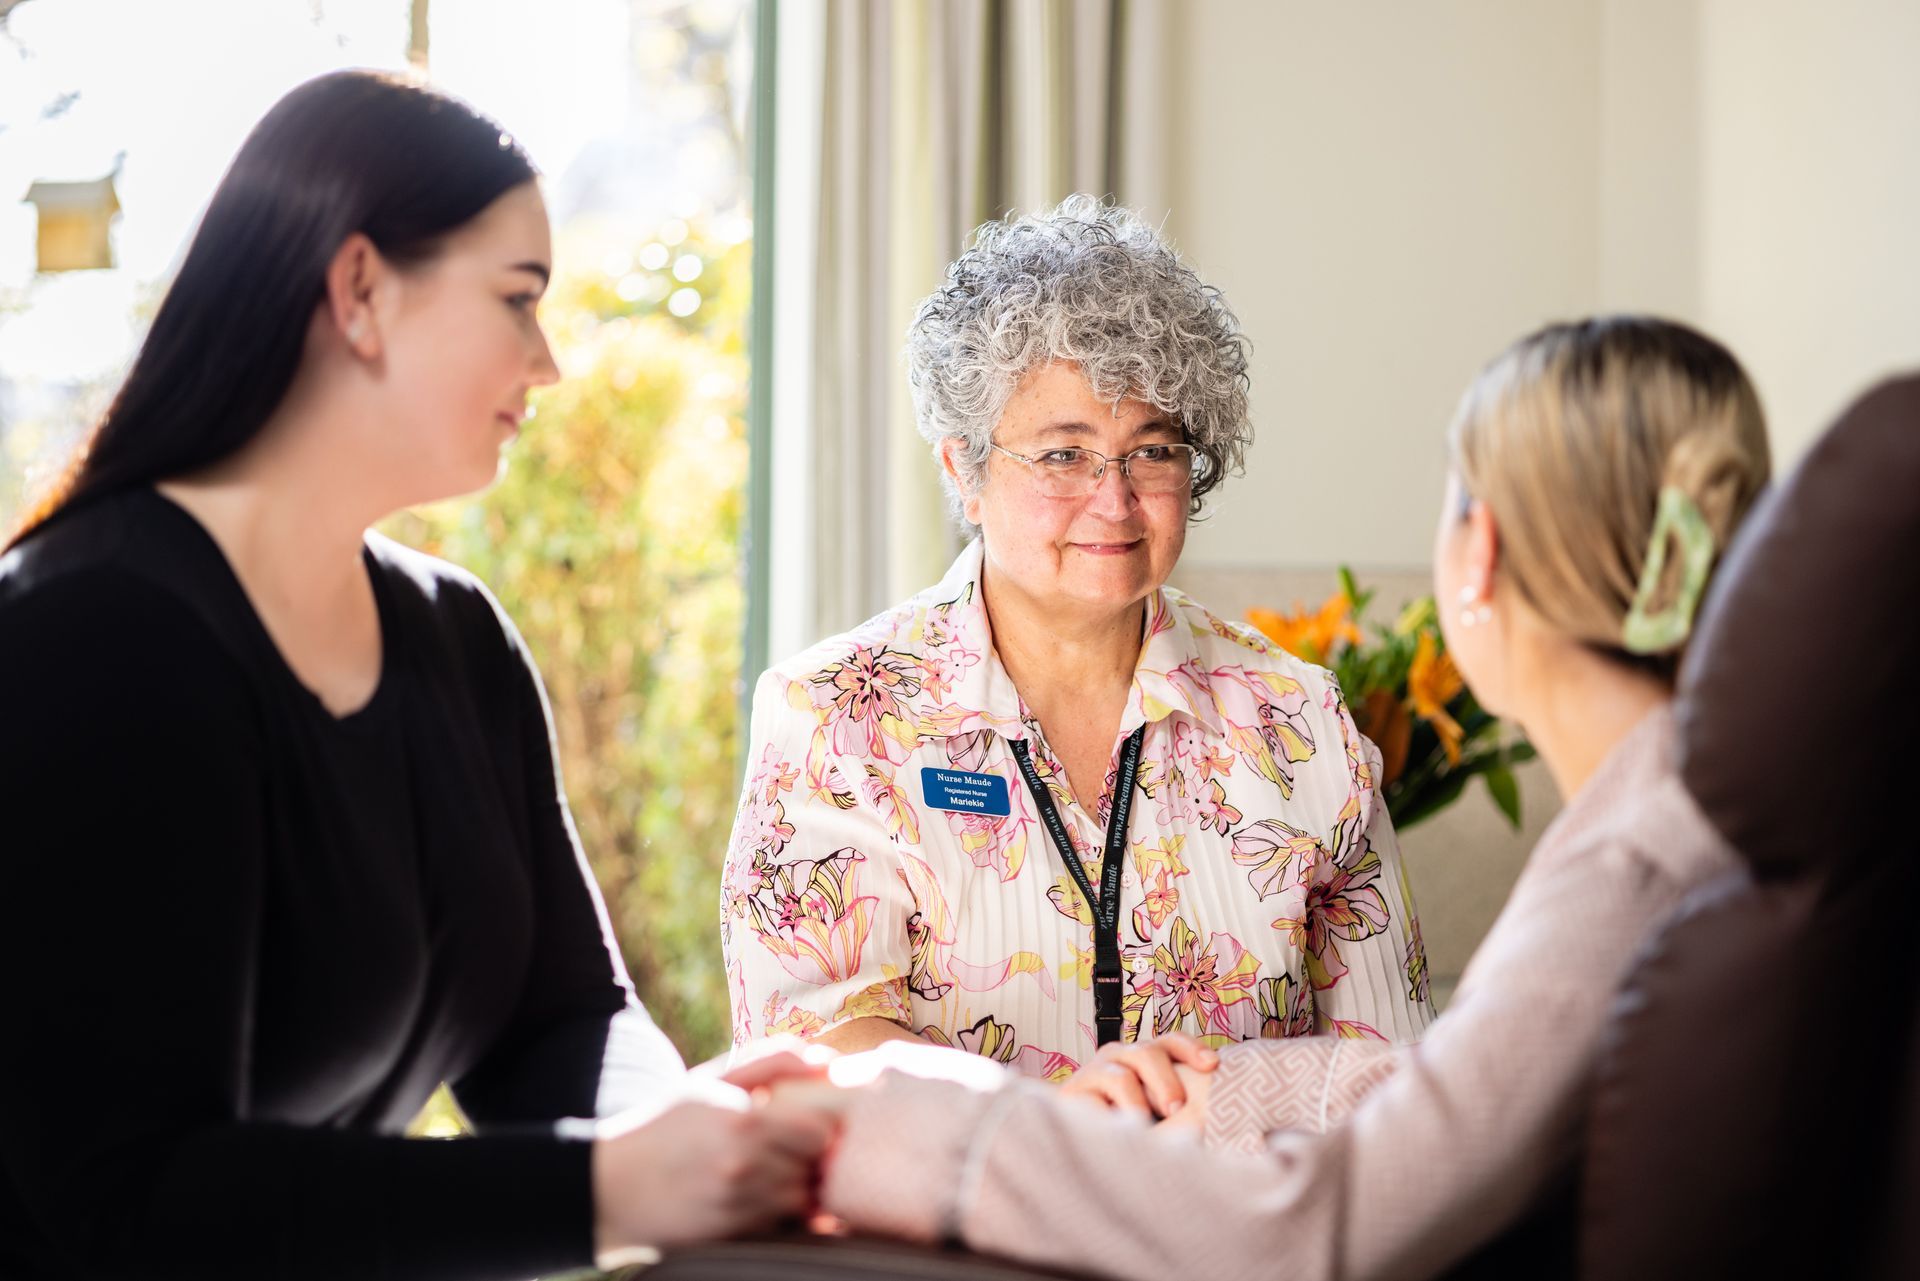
{"type": "Point", "coordinates": [1311, 1084]}
{"type": "Point", "coordinates": [908, 1150]}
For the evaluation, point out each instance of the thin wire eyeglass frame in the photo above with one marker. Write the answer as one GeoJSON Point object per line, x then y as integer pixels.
{"type": "Point", "coordinates": [1050, 481]}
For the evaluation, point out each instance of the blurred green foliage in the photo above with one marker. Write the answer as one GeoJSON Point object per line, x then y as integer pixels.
{"type": "Point", "coordinates": [613, 539]}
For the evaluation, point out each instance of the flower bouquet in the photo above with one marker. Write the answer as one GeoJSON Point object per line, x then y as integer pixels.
{"type": "Point", "coordinates": [1407, 696]}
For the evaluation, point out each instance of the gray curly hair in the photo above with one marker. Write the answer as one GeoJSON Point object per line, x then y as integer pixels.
{"type": "Point", "coordinates": [1093, 284]}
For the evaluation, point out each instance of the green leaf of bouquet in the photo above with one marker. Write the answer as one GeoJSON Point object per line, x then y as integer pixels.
{"type": "Point", "coordinates": [1430, 799]}
{"type": "Point", "coordinates": [1354, 673]}
{"type": "Point", "coordinates": [1473, 720]}
{"type": "Point", "coordinates": [1505, 790]}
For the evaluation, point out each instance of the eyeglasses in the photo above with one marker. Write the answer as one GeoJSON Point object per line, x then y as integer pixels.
{"type": "Point", "coordinates": [1075, 473]}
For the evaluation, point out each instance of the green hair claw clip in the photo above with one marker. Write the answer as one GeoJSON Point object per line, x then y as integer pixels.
{"type": "Point", "coordinates": [1679, 521]}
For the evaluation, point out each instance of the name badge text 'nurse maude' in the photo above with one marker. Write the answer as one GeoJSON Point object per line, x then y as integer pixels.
{"type": "Point", "coordinates": [964, 793]}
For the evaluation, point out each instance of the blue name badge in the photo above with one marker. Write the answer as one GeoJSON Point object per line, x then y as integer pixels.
{"type": "Point", "coordinates": [964, 793]}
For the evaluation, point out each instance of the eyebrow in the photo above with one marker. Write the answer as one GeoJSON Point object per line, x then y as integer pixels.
{"type": "Point", "coordinates": [535, 268]}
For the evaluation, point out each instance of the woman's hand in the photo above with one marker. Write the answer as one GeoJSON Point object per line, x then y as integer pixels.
{"type": "Point", "coordinates": [1193, 1113]}
{"type": "Point", "coordinates": [764, 1065]}
{"type": "Point", "coordinates": [1159, 1078]}
{"type": "Point", "coordinates": [698, 1172]}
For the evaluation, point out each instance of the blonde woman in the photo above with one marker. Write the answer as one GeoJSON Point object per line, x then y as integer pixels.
{"type": "Point", "coordinates": [1598, 471]}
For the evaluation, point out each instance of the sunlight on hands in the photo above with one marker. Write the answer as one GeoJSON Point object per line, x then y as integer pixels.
{"type": "Point", "coordinates": [929, 1062]}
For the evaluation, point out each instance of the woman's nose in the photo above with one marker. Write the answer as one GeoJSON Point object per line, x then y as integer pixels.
{"type": "Point", "coordinates": [546, 371]}
{"type": "Point", "coordinates": [1114, 490]}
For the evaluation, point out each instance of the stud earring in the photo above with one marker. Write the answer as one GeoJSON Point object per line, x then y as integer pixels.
{"type": "Point", "coordinates": [1474, 610]}
{"type": "Point", "coordinates": [355, 330]}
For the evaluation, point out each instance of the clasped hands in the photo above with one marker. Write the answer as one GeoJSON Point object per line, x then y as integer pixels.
{"type": "Point", "coordinates": [1166, 1079]}
{"type": "Point", "coordinates": [744, 1151]}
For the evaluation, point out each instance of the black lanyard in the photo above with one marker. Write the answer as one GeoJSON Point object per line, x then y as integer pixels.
{"type": "Point", "coordinates": [1106, 907]}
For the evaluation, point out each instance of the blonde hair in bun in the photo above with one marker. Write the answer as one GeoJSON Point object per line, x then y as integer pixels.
{"type": "Point", "coordinates": [1572, 436]}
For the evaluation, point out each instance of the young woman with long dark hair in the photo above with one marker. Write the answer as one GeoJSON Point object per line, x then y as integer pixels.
{"type": "Point", "coordinates": [282, 843]}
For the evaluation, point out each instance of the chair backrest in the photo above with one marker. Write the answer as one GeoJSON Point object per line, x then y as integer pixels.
{"type": "Point", "coordinates": [1755, 1108]}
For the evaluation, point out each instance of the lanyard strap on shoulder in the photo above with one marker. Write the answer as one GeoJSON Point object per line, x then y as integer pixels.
{"type": "Point", "coordinates": [1105, 905]}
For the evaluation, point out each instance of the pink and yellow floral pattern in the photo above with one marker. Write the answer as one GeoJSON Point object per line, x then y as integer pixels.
{"type": "Point", "coordinates": [1262, 897]}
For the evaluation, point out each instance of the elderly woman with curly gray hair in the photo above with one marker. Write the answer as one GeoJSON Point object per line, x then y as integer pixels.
{"type": "Point", "coordinates": [1051, 808]}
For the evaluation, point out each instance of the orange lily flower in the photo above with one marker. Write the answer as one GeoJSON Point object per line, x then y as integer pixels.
{"type": "Point", "coordinates": [1310, 635]}
{"type": "Point", "coordinates": [1433, 682]}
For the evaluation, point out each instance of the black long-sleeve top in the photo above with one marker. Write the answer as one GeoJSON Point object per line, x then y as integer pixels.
{"type": "Point", "coordinates": [241, 940]}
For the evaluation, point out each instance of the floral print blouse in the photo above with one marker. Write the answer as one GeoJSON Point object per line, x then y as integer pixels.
{"type": "Point", "coordinates": [1263, 897]}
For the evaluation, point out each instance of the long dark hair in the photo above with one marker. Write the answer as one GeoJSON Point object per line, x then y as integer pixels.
{"type": "Point", "coordinates": [354, 151]}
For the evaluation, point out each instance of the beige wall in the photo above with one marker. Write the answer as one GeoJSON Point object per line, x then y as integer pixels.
{"type": "Point", "coordinates": [1390, 192]}
{"type": "Point", "coordinates": [1810, 197]}
{"type": "Point", "coordinates": [1649, 229]}
{"type": "Point", "coordinates": [1387, 193]}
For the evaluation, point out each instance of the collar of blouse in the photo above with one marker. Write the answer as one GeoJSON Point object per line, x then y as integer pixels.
{"type": "Point", "coordinates": [964, 688]}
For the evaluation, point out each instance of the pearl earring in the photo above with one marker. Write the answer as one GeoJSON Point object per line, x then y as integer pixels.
{"type": "Point", "coordinates": [1474, 610]}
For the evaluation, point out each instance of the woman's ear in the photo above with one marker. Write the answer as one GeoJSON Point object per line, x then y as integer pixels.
{"type": "Point", "coordinates": [355, 279]}
{"type": "Point", "coordinates": [949, 451]}
{"type": "Point", "coordinates": [1483, 551]}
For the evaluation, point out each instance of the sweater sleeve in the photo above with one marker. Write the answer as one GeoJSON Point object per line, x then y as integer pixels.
{"type": "Point", "coordinates": [1310, 1083]}
{"type": "Point", "coordinates": [580, 1043]}
{"type": "Point", "coordinates": [1021, 1172]}
{"type": "Point", "coordinates": [130, 916]}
